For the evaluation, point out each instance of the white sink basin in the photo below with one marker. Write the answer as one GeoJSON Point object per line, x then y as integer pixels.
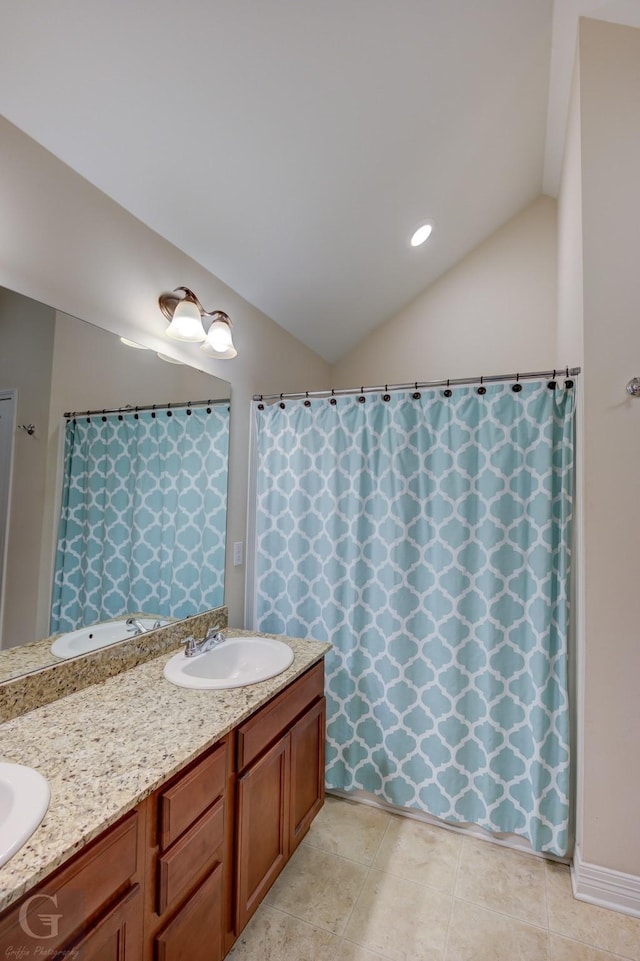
{"type": "Point", "coordinates": [92, 638]}
{"type": "Point", "coordinates": [24, 799]}
{"type": "Point", "coordinates": [236, 662]}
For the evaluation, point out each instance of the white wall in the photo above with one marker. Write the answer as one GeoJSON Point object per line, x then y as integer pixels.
{"type": "Point", "coordinates": [610, 137]}
{"type": "Point", "coordinates": [64, 243]}
{"type": "Point", "coordinates": [494, 312]}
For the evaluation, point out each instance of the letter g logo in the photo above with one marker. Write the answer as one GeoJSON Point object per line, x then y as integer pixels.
{"type": "Point", "coordinates": [49, 922]}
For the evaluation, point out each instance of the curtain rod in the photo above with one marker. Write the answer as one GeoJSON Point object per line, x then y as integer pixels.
{"type": "Point", "coordinates": [421, 385]}
{"type": "Point", "coordinates": [130, 409]}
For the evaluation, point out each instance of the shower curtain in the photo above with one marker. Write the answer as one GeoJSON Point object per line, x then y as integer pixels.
{"type": "Point", "coordinates": [427, 537]}
{"type": "Point", "coordinates": [143, 517]}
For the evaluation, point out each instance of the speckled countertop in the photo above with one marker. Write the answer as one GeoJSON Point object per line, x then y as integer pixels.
{"type": "Point", "coordinates": [106, 748]}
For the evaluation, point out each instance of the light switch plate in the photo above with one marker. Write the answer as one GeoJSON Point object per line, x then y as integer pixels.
{"type": "Point", "coordinates": [237, 554]}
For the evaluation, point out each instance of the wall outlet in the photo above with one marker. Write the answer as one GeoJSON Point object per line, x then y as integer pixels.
{"type": "Point", "coordinates": [237, 554]}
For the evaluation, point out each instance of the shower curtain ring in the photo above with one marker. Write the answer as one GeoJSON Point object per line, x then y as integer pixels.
{"type": "Point", "coordinates": [482, 389]}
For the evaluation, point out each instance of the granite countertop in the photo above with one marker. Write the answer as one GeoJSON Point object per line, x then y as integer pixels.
{"type": "Point", "coordinates": [104, 749]}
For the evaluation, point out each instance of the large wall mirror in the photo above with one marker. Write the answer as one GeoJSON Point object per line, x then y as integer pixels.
{"type": "Point", "coordinates": [51, 364]}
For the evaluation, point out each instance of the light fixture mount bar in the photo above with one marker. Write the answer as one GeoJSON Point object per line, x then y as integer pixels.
{"type": "Point", "coordinates": [169, 302]}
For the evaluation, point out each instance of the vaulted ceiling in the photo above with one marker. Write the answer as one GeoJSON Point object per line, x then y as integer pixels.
{"type": "Point", "coordinates": [292, 147]}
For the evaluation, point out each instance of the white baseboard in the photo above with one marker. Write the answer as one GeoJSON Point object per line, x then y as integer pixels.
{"type": "Point", "coordinates": [605, 887]}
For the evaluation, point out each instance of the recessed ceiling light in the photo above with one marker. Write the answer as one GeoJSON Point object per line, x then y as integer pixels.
{"type": "Point", "coordinates": [422, 233]}
{"type": "Point", "coordinates": [132, 343]}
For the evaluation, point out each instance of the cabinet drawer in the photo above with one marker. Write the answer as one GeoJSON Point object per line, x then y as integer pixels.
{"type": "Point", "coordinates": [184, 802]}
{"type": "Point", "coordinates": [195, 934]}
{"type": "Point", "coordinates": [116, 936]}
{"type": "Point", "coordinates": [276, 716]}
{"type": "Point", "coordinates": [77, 892]}
{"type": "Point", "coordinates": [180, 867]}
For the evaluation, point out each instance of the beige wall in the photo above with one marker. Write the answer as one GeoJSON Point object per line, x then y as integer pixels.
{"type": "Point", "coordinates": [65, 243]}
{"type": "Point", "coordinates": [494, 313]}
{"type": "Point", "coordinates": [610, 135]}
{"type": "Point", "coordinates": [26, 336]}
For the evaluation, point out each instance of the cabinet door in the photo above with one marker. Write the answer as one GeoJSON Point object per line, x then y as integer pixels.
{"type": "Point", "coordinates": [116, 936]}
{"type": "Point", "coordinates": [262, 828]}
{"type": "Point", "coordinates": [307, 771]}
{"type": "Point", "coordinates": [195, 934]}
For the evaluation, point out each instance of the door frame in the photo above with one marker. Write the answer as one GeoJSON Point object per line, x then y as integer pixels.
{"type": "Point", "coordinates": [7, 451]}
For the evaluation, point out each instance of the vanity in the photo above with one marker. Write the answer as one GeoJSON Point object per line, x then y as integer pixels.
{"type": "Point", "coordinates": [172, 812]}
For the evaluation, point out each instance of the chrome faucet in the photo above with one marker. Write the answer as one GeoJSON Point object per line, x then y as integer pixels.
{"type": "Point", "coordinates": [135, 624]}
{"type": "Point", "coordinates": [212, 638]}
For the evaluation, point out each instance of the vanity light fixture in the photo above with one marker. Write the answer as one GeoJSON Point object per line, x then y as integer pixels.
{"type": "Point", "coordinates": [186, 317]}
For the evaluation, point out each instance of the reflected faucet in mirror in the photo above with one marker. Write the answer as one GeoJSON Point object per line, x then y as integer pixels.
{"type": "Point", "coordinates": [135, 625]}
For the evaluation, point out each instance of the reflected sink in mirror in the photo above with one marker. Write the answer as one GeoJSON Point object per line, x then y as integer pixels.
{"type": "Point", "coordinates": [235, 662]}
{"type": "Point", "coordinates": [93, 638]}
{"type": "Point", "coordinates": [24, 799]}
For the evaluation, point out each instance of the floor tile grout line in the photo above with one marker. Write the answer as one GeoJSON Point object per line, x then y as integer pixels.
{"type": "Point", "coordinates": [344, 857]}
{"type": "Point", "coordinates": [504, 914]}
{"type": "Point", "coordinates": [546, 909]}
{"type": "Point", "coordinates": [453, 900]}
{"type": "Point", "coordinates": [375, 954]}
{"type": "Point", "coordinates": [353, 906]}
{"type": "Point", "coordinates": [382, 837]}
{"type": "Point", "coordinates": [594, 947]}
{"type": "Point", "coordinates": [296, 917]}
{"type": "Point", "coordinates": [364, 883]}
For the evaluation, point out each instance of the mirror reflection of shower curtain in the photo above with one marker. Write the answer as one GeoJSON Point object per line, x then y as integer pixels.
{"type": "Point", "coordinates": [143, 517]}
{"type": "Point", "coordinates": [428, 540]}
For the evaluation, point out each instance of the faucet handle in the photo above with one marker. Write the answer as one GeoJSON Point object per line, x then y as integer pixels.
{"type": "Point", "coordinates": [213, 634]}
{"type": "Point", "coordinates": [191, 647]}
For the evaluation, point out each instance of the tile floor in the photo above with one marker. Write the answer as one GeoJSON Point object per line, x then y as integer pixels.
{"type": "Point", "coordinates": [366, 885]}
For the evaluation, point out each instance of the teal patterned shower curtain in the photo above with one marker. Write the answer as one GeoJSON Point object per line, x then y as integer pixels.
{"type": "Point", "coordinates": [143, 517]}
{"type": "Point", "coordinates": [428, 539]}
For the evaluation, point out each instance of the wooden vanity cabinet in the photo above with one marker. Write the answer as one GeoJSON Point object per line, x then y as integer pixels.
{"type": "Point", "coordinates": [91, 908]}
{"type": "Point", "coordinates": [280, 786]}
{"type": "Point", "coordinates": [177, 878]}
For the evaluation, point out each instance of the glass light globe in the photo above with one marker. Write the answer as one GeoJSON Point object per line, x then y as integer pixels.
{"type": "Point", "coordinates": [186, 324]}
{"type": "Point", "coordinates": [219, 337]}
